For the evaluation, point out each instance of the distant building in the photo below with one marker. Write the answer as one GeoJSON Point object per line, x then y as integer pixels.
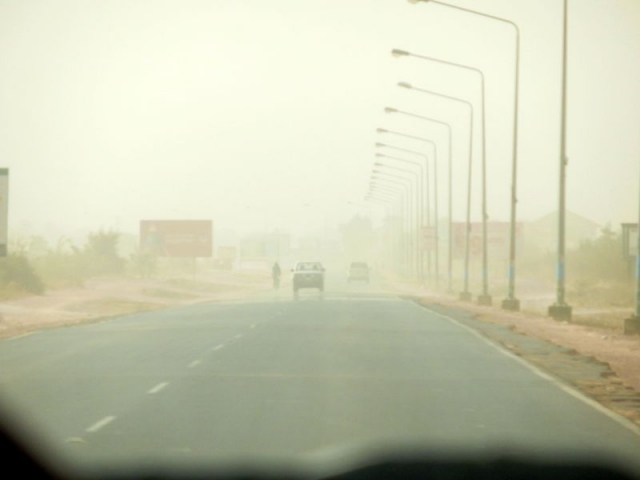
{"type": "Point", "coordinates": [542, 234]}
{"type": "Point", "coordinates": [498, 239]}
{"type": "Point", "coordinates": [270, 245]}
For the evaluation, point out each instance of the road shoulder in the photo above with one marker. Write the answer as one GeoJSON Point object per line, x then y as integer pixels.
{"type": "Point", "coordinates": [105, 298]}
{"type": "Point", "coordinates": [579, 356]}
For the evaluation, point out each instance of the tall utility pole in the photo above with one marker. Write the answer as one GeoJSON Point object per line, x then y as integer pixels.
{"type": "Point", "coordinates": [425, 192]}
{"type": "Point", "coordinates": [511, 302]}
{"type": "Point", "coordinates": [436, 158]}
{"type": "Point", "coordinates": [560, 310]}
{"type": "Point", "coordinates": [448, 126]}
{"type": "Point", "coordinates": [485, 298]}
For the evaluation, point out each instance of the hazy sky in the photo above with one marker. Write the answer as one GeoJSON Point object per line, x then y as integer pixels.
{"type": "Point", "coordinates": [262, 114]}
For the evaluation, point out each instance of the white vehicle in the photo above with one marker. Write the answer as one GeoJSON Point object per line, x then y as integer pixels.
{"type": "Point", "coordinates": [358, 271]}
{"type": "Point", "coordinates": [308, 275]}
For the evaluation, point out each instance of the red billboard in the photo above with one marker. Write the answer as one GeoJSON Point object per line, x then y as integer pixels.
{"type": "Point", "coordinates": [177, 238]}
{"type": "Point", "coordinates": [428, 238]}
{"type": "Point", "coordinates": [498, 237]}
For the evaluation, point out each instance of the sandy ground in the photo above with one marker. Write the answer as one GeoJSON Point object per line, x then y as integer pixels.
{"type": "Point", "coordinates": [108, 297]}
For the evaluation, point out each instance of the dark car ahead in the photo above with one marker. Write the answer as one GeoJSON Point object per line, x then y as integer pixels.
{"type": "Point", "coordinates": [308, 275]}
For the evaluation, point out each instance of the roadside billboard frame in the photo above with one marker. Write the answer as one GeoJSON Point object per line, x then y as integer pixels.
{"type": "Point", "coordinates": [4, 211]}
{"type": "Point", "coordinates": [177, 238]}
{"type": "Point", "coordinates": [629, 240]}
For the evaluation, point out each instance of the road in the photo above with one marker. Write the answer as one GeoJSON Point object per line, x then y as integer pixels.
{"type": "Point", "coordinates": [271, 379]}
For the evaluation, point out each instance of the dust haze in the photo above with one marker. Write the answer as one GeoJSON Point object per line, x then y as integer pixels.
{"type": "Point", "coordinates": [262, 118]}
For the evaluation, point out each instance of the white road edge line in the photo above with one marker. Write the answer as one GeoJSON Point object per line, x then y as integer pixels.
{"type": "Point", "coordinates": [158, 387]}
{"type": "Point", "coordinates": [628, 424]}
{"type": "Point", "coordinates": [195, 363]}
{"type": "Point", "coordinates": [101, 423]}
{"type": "Point", "coordinates": [24, 335]}
{"type": "Point", "coordinates": [217, 347]}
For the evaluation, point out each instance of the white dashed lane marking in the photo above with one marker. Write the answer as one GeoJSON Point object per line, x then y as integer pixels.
{"type": "Point", "coordinates": [101, 423]}
{"type": "Point", "coordinates": [24, 335]}
{"type": "Point", "coordinates": [158, 388]}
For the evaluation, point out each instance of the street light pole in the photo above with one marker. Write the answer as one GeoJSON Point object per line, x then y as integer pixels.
{"type": "Point", "coordinates": [417, 210]}
{"type": "Point", "coordinates": [423, 192]}
{"type": "Point", "coordinates": [485, 298]}
{"type": "Point", "coordinates": [464, 295]}
{"type": "Point", "coordinates": [511, 302]}
{"type": "Point", "coordinates": [392, 194]}
{"type": "Point", "coordinates": [406, 184]}
{"type": "Point", "coordinates": [436, 159]}
{"type": "Point", "coordinates": [420, 201]}
{"type": "Point", "coordinates": [427, 181]}
{"type": "Point", "coordinates": [560, 310]}
{"type": "Point", "coordinates": [397, 253]}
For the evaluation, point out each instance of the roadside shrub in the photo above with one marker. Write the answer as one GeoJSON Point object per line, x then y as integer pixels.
{"type": "Point", "coordinates": [591, 262]}
{"type": "Point", "coordinates": [61, 269]}
{"type": "Point", "coordinates": [16, 271]}
{"type": "Point", "coordinates": [70, 265]}
{"type": "Point", "coordinates": [599, 259]}
{"type": "Point", "coordinates": [101, 251]}
{"type": "Point", "coordinates": [143, 264]}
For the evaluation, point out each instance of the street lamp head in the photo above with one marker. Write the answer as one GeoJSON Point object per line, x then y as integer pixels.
{"type": "Point", "coordinates": [381, 130]}
{"type": "Point", "coordinates": [378, 144]}
{"type": "Point", "coordinates": [418, 1]}
{"type": "Point", "coordinates": [399, 53]}
{"type": "Point", "coordinates": [379, 155]}
{"type": "Point", "coordinates": [390, 110]}
{"type": "Point", "coordinates": [405, 85]}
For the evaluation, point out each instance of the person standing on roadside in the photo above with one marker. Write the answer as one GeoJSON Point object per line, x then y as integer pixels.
{"type": "Point", "coordinates": [275, 275]}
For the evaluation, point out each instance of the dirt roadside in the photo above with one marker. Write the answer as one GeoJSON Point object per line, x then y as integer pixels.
{"type": "Point", "coordinates": [109, 297]}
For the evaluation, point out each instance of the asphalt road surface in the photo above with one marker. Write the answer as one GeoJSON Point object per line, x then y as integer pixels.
{"type": "Point", "coordinates": [273, 379]}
